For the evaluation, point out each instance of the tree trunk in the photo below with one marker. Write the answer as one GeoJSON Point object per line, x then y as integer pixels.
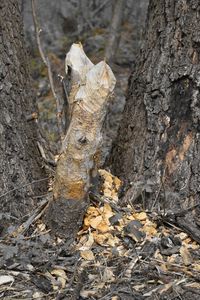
{"type": "Point", "coordinates": [19, 157]}
{"type": "Point", "coordinates": [158, 146]}
{"type": "Point", "coordinates": [115, 28]}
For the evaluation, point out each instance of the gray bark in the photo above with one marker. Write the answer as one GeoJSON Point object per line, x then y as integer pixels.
{"type": "Point", "coordinates": [115, 28]}
{"type": "Point", "coordinates": [158, 145]}
{"type": "Point", "coordinates": [19, 157]}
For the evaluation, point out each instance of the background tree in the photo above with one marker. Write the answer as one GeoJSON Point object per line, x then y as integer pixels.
{"type": "Point", "coordinates": [115, 29]}
{"type": "Point", "coordinates": [19, 157]}
{"type": "Point", "coordinates": [158, 146]}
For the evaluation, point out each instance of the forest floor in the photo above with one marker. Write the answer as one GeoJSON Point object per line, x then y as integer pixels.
{"type": "Point", "coordinates": [122, 250]}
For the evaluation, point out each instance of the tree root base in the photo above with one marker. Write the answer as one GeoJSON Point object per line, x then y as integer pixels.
{"type": "Point", "coordinates": [64, 217]}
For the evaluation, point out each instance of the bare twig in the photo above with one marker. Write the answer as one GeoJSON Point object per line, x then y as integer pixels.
{"type": "Point", "coordinates": [46, 61]}
{"type": "Point", "coordinates": [162, 180]}
{"type": "Point", "coordinates": [101, 6]}
{"type": "Point", "coordinates": [23, 186]}
{"type": "Point", "coordinates": [32, 219]}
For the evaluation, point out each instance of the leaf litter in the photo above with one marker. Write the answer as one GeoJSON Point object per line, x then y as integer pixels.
{"type": "Point", "coordinates": [119, 254]}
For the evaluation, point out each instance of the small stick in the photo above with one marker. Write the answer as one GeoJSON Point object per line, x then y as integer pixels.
{"type": "Point", "coordinates": [100, 7]}
{"type": "Point", "coordinates": [32, 219]}
{"type": "Point", "coordinates": [23, 186]}
{"type": "Point", "coordinates": [48, 65]}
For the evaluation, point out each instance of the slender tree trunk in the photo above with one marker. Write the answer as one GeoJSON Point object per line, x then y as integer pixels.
{"type": "Point", "coordinates": [115, 28]}
{"type": "Point", "coordinates": [158, 146]}
{"type": "Point", "coordinates": [19, 157]}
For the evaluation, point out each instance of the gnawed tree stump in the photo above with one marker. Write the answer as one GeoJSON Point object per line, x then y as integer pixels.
{"type": "Point", "coordinates": [91, 86]}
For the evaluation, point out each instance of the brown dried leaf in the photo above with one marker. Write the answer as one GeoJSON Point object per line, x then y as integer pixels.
{"type": "Point", "coordinates": [186, 256]}
{"type": "Point", "coordinates": [107, 193]}
{"type": "Point", "coordinates": [140, 216]}
{"type": "Point", "coordinates": [108, 275]}
{"type": "Point", "coordinates": [182, 235]}
{"type": "Point", "coordinates": [86, 294]}
{"type": "Point", "coordinates": [196, 266]}
{"type": "Point", "coordinates": [88, 243]}
{"type": "Point", "coordinates": [87, 255]}
{"type": "Point", "coordinates": [149, 230]}
{"type": "Point", "coordinates": [106, 239]}
{"type": "Point", "coordinates": [138, 287]}
{"type": "Point", "coordinates": [107, 212]}
{"type": "Point", "coordinates": [61, 277]}
{"type": "Point", "coordinates": [94, 222]}
{"type": "Point", "coordinates": [117, 182]}
{"type": "Point", "coordinates": [165, 288]}
{"type": "Point", "coordinates": [115, 298]}
{"type": "Point", "coordinates": [103, 226]}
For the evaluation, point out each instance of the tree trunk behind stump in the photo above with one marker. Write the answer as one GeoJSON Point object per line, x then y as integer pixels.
{"type": "Point", "coordinates": [19, 157]}
{"type": "Point", "coordinates": [157, 151]}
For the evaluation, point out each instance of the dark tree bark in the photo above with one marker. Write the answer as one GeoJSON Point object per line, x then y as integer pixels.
{"type": "Point", "coordinates": [19, 157]}
{"type": "Point", "coordinates": [158, 145]}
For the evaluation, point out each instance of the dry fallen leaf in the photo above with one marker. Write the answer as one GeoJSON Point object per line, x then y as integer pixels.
{"type": "Point", "coordinates": [117, 182]}
{"type": "Point", "coordinates": [85, 294]}
{"type": "Point", "coordinates": [107, 193]}
{"type": "Point", "coordinates": [140, 216]}
{"type": "Point", "coordinates": [182, 235]}
{"type": "Point", "coordinates": [87, 244]}
{"type": "Point", "coordinates": [6, 279]}
{"type": "Point", "coordinates": [165, 288]}
{"type": "Point", "coordinates": [138, 287]}
{"type": "Point", "coordinates": [194, 246]}
{"type": "Point", "coordinates": [94, 222]}
{"type": "Point", "coordinates": [172, 259]}
{"type": "Point", "coordinates": [108, 275]}
{"type": "Point", "coordinates": [111, 184]}
{"type": "Point", "coordinates": [149, 230]}
{"type": "Point", "coordinates": [196, 266]}
{"type": "Point", "coordinates": [61, 276]}
{"type": "Point", "coordinates": [186, 256]}
{"type": "Point", "coordinates": [106, 239]}
{"type": "Point", "coordinates": [103, 227]}
{"type": "Point", "coordinates": [115, 298]}
{"type": "Point", "coordinates": [87, 255]}
{"type": "Point", "coordinates": [107, 212]}
{"type": "Point", "coordinates": [92, 213]}
{"type": "Point", "coordinates": [187, 241]}
{"type": "Point", "coordinates": [157, 255]}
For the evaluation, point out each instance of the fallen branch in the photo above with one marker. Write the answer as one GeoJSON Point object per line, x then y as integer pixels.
{"type": "Point", "coordinates": [32, 219]}
{"type": "Point", "coordinates": [23, 186]}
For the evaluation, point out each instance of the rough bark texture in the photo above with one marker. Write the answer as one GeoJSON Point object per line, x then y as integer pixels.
{"type": "Point", "coordinates": [19, 163]}
{"type": "Point", "coordinates": [158, 146]}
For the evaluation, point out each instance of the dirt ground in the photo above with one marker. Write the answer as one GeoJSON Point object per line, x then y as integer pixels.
{"type": "Point", "coordinates": [121, 252]}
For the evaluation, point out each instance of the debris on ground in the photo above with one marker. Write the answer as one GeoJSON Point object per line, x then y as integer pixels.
{"type": "Point", "coordinates": [120, 253]}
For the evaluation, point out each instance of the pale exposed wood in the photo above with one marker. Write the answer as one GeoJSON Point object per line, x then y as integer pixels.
{"type": "Point", "coordinates": [91, 88]}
